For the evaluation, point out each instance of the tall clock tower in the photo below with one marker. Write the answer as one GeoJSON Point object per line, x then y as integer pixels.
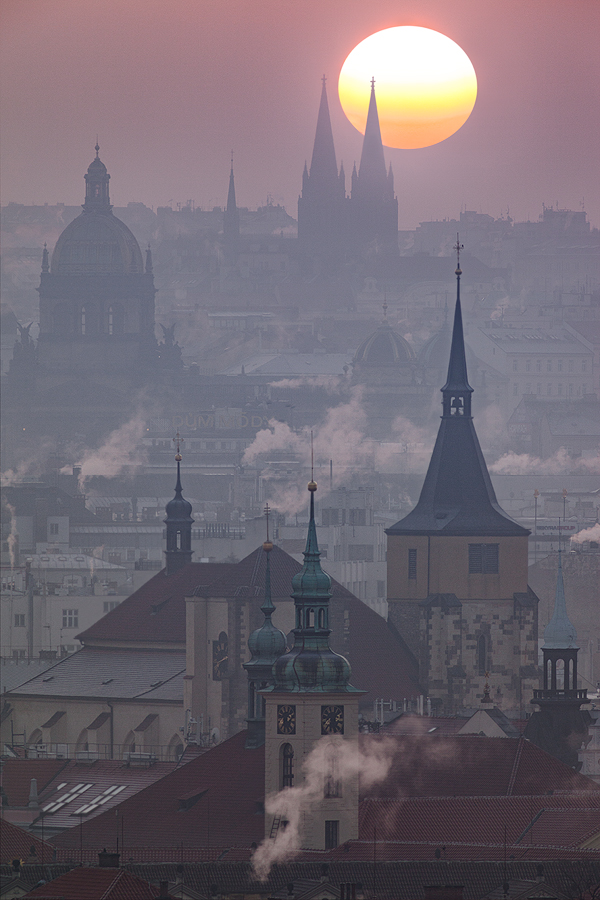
{"type": "Point", "coordinates": [312, 700]}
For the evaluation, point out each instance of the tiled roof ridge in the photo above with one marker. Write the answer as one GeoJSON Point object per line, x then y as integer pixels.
{"type": "Point", "coordinates": [118, 876]}
{"type": "Point", "coordinates": [515, 768]}
{"type": "Point", "coordinates": [461, 798]}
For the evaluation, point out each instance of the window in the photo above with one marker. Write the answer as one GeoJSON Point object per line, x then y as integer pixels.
{"type": "Point", "coordinates": [549, 365]}
{"type": "Point", "coordinates": [53, 528]}
{"type": "Point", "coordinates": [528, 387]}
{"type": "Point", "coordinates": [515, 390]}
{"type": "Point", "coordinates": [287, 769]}
{"type": "Point", "coordinates": [559, 365]}
{"type": "Point", "coordinates": [70, 618]}
{"type": "Point", "coordinates": [82, 320]}
{"type": "Point", "coordinates": [110, 604]}
{"type": "Point", "coordinates": [560, 390]}
{"type": "Point", "coordinates": [539, 388]}
{"type": "Point", "coordinates": [584, 365]}
{"type": "Point", "coordinates": [361, 551]}
{"type": "Point", "coordinates": [528, 365]}
{"type": "Point", "coordinates": [514, 365]}
{"type": "Point", "coordinates": [571, 365]}
{"type": "Point", "coordinates": [332, 786]}
{"type": "Point", "coordinates": [412, 564]}
{"type": "Point", "coordinates": [332, 830]}
{"type": "Point", "coordinates": [549, 389]}
{"type": "Point", "coordinates": [538, 365]}
{"type": "Point", "coordinates": [19, 620]}
{"type": "Point", "coordinates": [483, 559]}
{"type": "Point", "coordinates": [110, 320]}
{"type": "Point", "coordinates": [570, 390]}
{"type": "Point", "coordinates": [481, 654]}
{"type": "Point", "coordinates": [381, 588]}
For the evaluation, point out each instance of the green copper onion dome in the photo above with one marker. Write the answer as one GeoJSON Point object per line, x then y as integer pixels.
{"type": "Point", "coordinates": [311, 665]}
{"type": "Point", "coordinates": [267, 643]}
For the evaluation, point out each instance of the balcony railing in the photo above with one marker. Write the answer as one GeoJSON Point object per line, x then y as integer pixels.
{"type": "Point", "coordinates": [559, 694]}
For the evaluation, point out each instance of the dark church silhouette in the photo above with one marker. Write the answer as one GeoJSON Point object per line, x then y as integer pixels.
{"type": "Point", "coordinates": [331, 225]}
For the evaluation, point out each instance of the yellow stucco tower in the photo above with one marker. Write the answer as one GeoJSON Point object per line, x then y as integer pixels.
{"type": "Point", "coordinates": [457, 568]}
{"type": "Point", "coordinates": [312, 705]}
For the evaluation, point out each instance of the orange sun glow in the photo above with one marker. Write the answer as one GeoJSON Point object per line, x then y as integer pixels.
{"type": "Point", "coordinates": [425, 85]}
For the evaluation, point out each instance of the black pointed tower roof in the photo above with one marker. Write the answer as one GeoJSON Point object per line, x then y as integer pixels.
{"type": "Point", "coordinates": [457, 497]}
{"type": "Point", "coordinates": [179, 524]}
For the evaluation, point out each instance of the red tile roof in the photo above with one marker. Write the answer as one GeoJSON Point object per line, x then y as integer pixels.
{"type": "Point", "coordinates": [17, 775]}
{"type": "Point", "coordinates": [156, 611]}
{"type": "Point", "coordinates": [95, 884]}
{"type": "Point", "coordinates": [15, 843]}
{"type": "Point", "coordinates": [381, 663]}
{"type": "Point", "coordinates": [229, 784]}
{"type": "Point", "coordinates": [439, 765]}
{"type": "Point", "coordinates": [567, 820]}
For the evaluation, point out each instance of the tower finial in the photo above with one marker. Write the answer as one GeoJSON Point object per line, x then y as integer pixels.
{"type": "Point", "coordinates": [268, 545]}
{"type": "Point", "coordinates": [373, 83]}
{"type": "Point", "coordinates": [312, 484]}
{"type": "Point", "coordinates": [232, 161]}
{"type": "Point", "coordinates": [178, 441]}
{"type": "Point", "coordinates": [324, 80]}
{"type": "Point", "coordinates": [458, 247]}
{"type": "Point", "coordinates": [97, 147]}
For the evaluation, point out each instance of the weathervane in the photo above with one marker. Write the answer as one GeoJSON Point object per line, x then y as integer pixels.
{"type": "Point", "coordinates": [458, 247]}
{"type": "Point", "coordinates": [178, 440]}
{"type": "Point", "coordinates": [267, 511]}
{"type": "Point", "coordinates": [312, 485]}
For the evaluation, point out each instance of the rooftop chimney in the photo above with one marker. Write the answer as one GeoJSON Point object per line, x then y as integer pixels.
{"type": "Point", "coordinates": [108, 860]}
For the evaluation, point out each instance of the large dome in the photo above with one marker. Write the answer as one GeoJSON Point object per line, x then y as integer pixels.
{"type": "Point", "coordinates": [435, 352]}
{"type": "Point", "coordinates": [97, 243]}
{"type": "Point", "coordinates": [385, 347]}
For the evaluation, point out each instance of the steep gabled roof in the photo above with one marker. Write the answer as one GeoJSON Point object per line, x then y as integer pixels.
{"type": "Point", "coordinates": [95, 884]}
{"type": "Point", "coordinates": [16, 843]}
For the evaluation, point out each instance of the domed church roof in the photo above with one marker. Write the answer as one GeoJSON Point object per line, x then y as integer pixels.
{"type": "Point", "coordinates": [96, 242]}
{"type": "Point", "coordinates": [385, 347]}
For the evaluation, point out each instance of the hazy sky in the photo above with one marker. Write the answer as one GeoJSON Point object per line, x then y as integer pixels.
{"type": "Point", "coordinates": [171, 86]}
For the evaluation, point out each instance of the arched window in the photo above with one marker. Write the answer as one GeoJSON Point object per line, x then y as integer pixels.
{"type": "Point", "coordinates": [321, 618]}
{"type": "Point", "coordinates": [287, 766]}
{"type": "Point", "coordinates": [35, 737]}
{"type": "Point", "coordinates": [310, 618]}
{"type": "Point", "coordinates": [82, 320]}
{"type": "Point", "coordinates": [111, 320]}
{"type": "Point", "coordinates": [178, 540]}
{"type": "Point", "coordinates": [332, 786]}
{"type": "Point", "coordinates": [175, 747]}
{"type": "Point", "coordinates": [482, 660]}
{"type": "Point", "coordinates": [129, 744]}
{"type": "Point", "coordinates": [82, 741]}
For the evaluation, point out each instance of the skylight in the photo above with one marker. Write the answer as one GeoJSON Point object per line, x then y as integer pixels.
{"type": "Point", "coordinates": [100, 800]}
{"type": "Point", "coordinates": [70, 795]}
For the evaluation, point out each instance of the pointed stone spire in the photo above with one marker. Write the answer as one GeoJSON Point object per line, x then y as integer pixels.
{"type": "Point", "coordinates": [311, 665]}
{"type": "Point", "coordinates": [179, 523]}
{"type": "Point", "coordinates": [231, 221]}
{"type": "Point", "coordinates": [457, 496]}
{"type": "Point", "coordinates": [342, 177]}
{"type": "Point", "coordinates": [323, 165]}
{"type": "Point", "coordinates": [560, 633]}
{"type": "Point", "coordinates": [372, 175]}
{"type": "Point", "coordinates": [45, 260]}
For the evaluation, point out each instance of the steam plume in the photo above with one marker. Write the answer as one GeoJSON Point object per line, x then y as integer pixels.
{"type": "Point", "coordinates": [294, 804]}
{"type": "Point", "coordinates": [588, 534]}
{"type": "Point", "coordinates": [122, 448]}
{"type": "Point", "coordinates": [557, 464]}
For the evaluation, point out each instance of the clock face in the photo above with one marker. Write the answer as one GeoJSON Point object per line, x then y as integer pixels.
{"type": "Point", "coordinates": [286, 719]}
{"type": "Point", "coordinates": [332, 720]}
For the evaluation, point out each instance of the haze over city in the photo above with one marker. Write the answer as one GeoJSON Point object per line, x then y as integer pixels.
{"type": "Point", "coordinates": [170, 89]}
{"type": "Point", "coordinates": [300, 513]}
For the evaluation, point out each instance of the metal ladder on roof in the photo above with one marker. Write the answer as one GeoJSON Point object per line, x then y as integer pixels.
{"type": "Point", "coordinates": [275, 827]}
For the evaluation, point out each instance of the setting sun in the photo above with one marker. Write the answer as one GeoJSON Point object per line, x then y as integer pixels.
{"type": "Point", "coordinates": [425, 85]}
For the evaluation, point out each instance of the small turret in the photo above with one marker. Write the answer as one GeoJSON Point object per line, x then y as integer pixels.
{"type": "Point", "coordinates": [179, 524]}
{"type": "Point", "coordinates": [96, 186]}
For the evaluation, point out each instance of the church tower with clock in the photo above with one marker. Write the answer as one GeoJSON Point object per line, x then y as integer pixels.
{"type": "Point", "coordinates": [312, 700]}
